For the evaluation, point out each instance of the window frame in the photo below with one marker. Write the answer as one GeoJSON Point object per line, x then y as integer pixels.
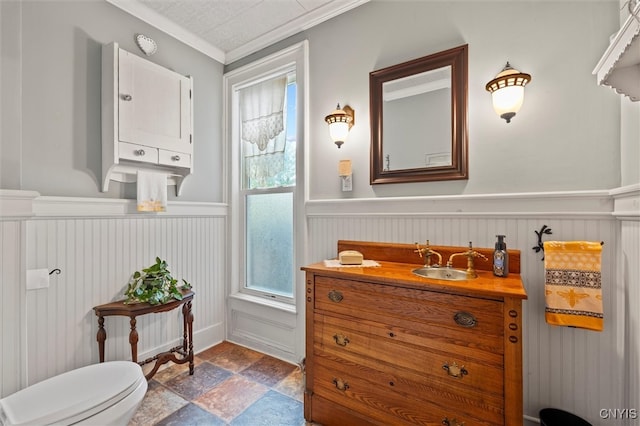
{"type": "Point", "coordinates": [292, 58]}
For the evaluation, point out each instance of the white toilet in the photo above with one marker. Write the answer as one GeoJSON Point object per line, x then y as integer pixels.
{"type": "Point", "coordinates": [100, 394]}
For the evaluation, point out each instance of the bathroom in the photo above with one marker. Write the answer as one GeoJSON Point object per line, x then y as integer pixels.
{"type": "Point", "coordinates": [568, 160]}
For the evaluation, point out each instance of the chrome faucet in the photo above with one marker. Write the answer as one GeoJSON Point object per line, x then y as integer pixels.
{"type": "Point", "coordinates": [427, 252]}
{"type": "Point", "coordinates": [470, 254]}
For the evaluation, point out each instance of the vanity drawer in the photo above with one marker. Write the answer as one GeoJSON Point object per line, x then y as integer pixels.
{"type": "Point", "coordinates": [458, 370]}
{"type": "Point", "coordinates": [130, 151]}
{"type": "Point", "coordinates": [388, 399]}
{"type": "Point", "coordinates": [174, 159]}
{"type": "Point", "coordinates": [480, 321]}
{"type": "Point", "coordinates": [406, 334]}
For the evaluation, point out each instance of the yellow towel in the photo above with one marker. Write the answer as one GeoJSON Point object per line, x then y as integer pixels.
{"type": "Point", "coordinates": [573, 286]}
{"type": "Point", "coordinates": [152, 191]}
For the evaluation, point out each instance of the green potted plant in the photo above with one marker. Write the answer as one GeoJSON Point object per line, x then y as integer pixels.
{"type": "Point", "coordinates": [154, 285]}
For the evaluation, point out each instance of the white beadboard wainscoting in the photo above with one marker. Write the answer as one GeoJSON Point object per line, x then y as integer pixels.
{"type": "Point", "coordinates": [97, 244]}
{"type": "Point", "coordinates": [12, 326]}
{"type": "Point", "coordinates": [577, 370]}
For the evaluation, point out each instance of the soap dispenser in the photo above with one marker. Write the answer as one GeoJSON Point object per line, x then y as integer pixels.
{"type": "Point", "coordinates": [500, 258]}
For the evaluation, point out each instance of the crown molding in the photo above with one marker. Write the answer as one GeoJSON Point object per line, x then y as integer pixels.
{"type": "Point", "coordinates": [311, 19]}
{"type": "Point", "coordinates": [154, 19]}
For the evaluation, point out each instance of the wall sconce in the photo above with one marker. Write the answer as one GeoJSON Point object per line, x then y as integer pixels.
{"type": "Point", "coordinates": [507, 91]}
{"type": "Point", "coordinates": [340, 122]}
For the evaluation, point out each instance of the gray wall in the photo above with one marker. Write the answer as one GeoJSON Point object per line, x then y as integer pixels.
{"type": "Point", "coordinates": [630, 127]}
{"type": "Point", "coordinates": [630, 142]}
{"type": "Point", "coordinates": [51, 137]}
{"type": "Point", "coordinates": [566, 137]}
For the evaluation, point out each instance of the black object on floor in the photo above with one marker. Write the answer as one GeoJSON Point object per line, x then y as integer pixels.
{"type": "Point", "coordinates": [555, 417]}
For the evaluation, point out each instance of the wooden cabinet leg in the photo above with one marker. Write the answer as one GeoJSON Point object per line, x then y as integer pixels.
{"type": "Point", "coordinates": [185, 321]}
{"type": "Point", "coordinates": [188, 333]}
{"type": "Point", "coordinates": [133, 340]}
{"type": "Point", "coordinates": [101, 337]}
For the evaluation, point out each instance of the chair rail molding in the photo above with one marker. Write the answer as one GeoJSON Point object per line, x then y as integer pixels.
{"type": "Point", "coordinates": [30, 204]}
{"type": "Point", "coordinates": [597, 203]}
{"type": "Point", "coordinates": [626, 202]}
{"type": "Point", "coordinates": [16, 203]}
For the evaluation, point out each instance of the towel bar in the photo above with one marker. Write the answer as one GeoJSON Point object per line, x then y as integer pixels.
{"type": "Point", "coordinates": [540, 246]}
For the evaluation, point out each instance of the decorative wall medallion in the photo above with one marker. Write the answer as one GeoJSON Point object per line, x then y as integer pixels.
{"type": "Point", "coordinates": [146, 44]}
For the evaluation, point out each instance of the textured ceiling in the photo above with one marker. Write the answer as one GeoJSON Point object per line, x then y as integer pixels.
{"type": "Point", "coordinates": [230, 29]}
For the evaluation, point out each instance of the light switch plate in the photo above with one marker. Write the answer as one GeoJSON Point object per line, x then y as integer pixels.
{"type": "Point", "coordinates": [346, 183]}
{"type": "Point", "coordinates": [37, 278]}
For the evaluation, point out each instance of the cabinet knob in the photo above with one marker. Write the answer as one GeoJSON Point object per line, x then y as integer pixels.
{"type": "Point", "coordinates": [126, 97]}
{"type": "Point", "coordinates": [139, 152]}
{"type": "Point", "coordinates": [454, 370]}
{"type": "Point", "coordinates": [176, 158]}
{"type": "Point", "coordinates": [465, 319]}
{"type": "Point", "coordinates": [335, 296]}
{"type": "Point", "coordinates": [452, 422]}
{"type": "Point", "coordinates": [341, 340]}
{"type": "Point", "coordinates": [341, 384]}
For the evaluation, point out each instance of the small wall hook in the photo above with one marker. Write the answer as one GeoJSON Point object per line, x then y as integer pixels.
{"type": "Point", "coordinates": [57, 271]}
{"type": "Point", "coordinates": [540, 247]}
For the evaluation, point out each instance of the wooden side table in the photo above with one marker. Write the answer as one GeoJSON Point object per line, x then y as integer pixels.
{"type": "Point", "coordinates": [136, 309]}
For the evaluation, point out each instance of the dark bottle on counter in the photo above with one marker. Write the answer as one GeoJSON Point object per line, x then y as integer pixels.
{"type": "Point", "coordinates": [500, 258]}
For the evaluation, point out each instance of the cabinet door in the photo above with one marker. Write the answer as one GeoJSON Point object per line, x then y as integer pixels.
{"type": "Point", "coordinates": [154, 105]}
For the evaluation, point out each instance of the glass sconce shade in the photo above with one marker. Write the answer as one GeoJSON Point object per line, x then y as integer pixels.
{"type": "Point", "coordinates": [340, 122]}
{"type": "Point", "coordinates": [507, 91]}
{"type": "Point", "coordinates": [338, 131]}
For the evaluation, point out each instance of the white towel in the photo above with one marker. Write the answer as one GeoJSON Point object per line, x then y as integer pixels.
{"type": "Point", "coordinates": [152, 191]}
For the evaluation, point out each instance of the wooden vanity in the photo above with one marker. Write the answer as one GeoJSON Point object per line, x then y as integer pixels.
{"type": "Point", "coordinates": [387, 347]}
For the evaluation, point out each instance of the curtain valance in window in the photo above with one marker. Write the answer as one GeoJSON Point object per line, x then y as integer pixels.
{"type": "Point", "coordinates": [263, 118]}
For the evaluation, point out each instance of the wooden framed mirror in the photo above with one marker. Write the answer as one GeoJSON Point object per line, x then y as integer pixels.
{"type": "Point", "coordinates": [419, 119]}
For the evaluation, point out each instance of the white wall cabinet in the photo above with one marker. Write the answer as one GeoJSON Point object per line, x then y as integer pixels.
{"type": "Point", "coordinates": [147, 119]}
{"type": "Point", "coordinates": [619, 67]}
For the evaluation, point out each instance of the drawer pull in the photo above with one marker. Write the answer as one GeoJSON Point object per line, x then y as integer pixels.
{"type": "Point", "coordinates": [452, 422]}
{"type": "Point", "coordinates": [465, 319]}
{"type": "Point", "coordinates": [126, 97]}
{"type": "Point", "coordinates": [341, 384]}
{"type": "Point", "coordinates": [176, 158]}
{"type": "Point", "coordinates": [341, 340]}
{"type": "Point", "coordinates": [335, 296]}
{"type": "Point", "coordinates": [454, 370]}
{"type": "Point", "coordinates": [139, 152]}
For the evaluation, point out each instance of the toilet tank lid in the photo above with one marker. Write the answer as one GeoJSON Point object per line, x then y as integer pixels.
{"type": "Point", "coordinates": [75, 394]}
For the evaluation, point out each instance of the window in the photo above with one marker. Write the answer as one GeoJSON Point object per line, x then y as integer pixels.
{"type": "Point", "coordinates": [264, 113]}
{"type": "Point", "coordinates": [265, 194]}
{"type": "Point", "coordinates": [268, 161]}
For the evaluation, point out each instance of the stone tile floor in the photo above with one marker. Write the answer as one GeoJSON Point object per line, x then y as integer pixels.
{"type": "Point", "coordinates": [231, 385]}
